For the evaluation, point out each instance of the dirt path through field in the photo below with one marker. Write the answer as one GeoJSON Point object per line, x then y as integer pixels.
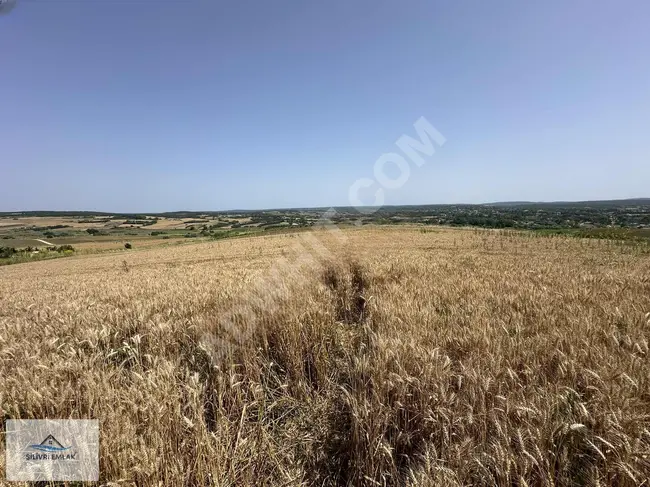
{"type": "Point", "coordinates": [43, 241]}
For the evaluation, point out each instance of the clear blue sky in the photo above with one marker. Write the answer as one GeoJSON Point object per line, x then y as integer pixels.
{"type": "Point", "coordinates": [144, 105]}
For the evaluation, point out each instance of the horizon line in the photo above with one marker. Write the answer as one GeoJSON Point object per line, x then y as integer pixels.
{"type": "Point", "coordinates": [313, 208]}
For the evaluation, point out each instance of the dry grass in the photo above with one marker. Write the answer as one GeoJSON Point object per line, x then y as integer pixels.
{"type": "Point", "coordinates": [163, 223]}
{"type": "Point", "coordinates": [117, 243]}
{"type": "Point", "coordinates": [406, 358]}
{"type": "Point", "coordinates": [168, 224]}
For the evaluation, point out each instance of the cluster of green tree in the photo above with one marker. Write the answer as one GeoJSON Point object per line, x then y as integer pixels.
{"type": "Point", "coordinates": [220, 224]}
{"type": "Point", "coordinates": [8, 252]}
{"type": "Point", "coordinates": [525, 216]}
{"type": "Point", "coordinates": [263, 218]}
{"type": "Point", "coordinates": [128, 216]}
{"type": "Point", "coordinates": [48, 227]}
{"type": "Point", "coordinates": [281, 218]}
{"type": "Point", "coordinates": [141, 222]}
{"type": "Point", "coordinates": [519, 215]}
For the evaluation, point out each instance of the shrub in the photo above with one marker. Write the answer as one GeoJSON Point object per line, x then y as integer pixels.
{"type": "Point", "coordinates": [128, 245]}
{"type": "Point", "coordinates": [6, 252]}
{"type": "Point", "coordinates": [49, 227]}
{"type": "Point", "coordinates": [61, 248]}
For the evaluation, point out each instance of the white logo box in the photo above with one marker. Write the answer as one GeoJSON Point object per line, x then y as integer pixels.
{"type": "Point", "coordinates": [52, 449]}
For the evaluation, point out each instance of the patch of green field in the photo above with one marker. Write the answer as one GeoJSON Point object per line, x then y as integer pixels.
{"type": "Point", "coordinates": [12, 257]}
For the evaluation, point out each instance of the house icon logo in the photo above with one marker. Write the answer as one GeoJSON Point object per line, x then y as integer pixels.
{"type": "Point", "coordinates": [50, 445]}
{"type": "Point", "coordinates": [51, 449]}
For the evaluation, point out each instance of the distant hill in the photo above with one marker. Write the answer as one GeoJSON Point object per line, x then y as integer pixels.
{"type": "Point", "coordinates": [574, 204]}
{"type": "Point", "coordinates": [343, 209]}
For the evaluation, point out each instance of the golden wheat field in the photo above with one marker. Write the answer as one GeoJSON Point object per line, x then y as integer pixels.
{"type": "Point", "coordinates": [393, 356]}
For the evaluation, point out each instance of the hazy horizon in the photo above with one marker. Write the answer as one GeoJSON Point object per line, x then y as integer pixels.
{"type": "Point", "coordinates": [232, 210]}
{"type": "Point", "coordinates": [199, 106]}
